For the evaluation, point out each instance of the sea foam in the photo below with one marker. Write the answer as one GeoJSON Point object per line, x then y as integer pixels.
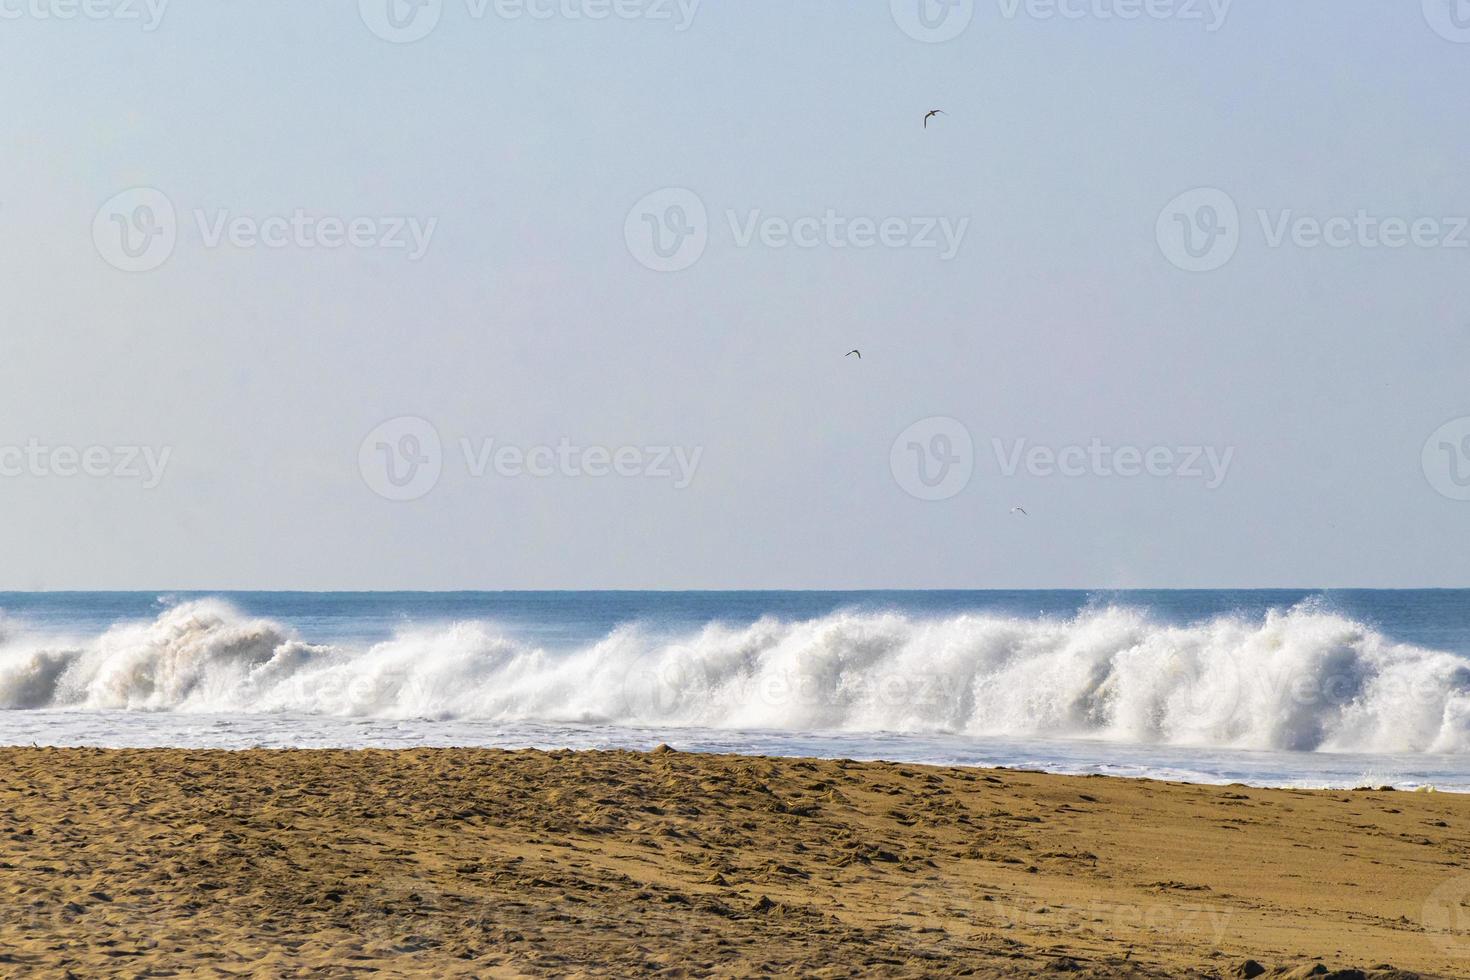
{"type": "Point", "coordinates": [1297, 679]}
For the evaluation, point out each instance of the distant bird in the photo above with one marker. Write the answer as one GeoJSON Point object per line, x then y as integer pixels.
{"type": "Point", "coordinates": [932, 113]}
{"type": "Point", "coordinates": [852, 352]}
{"type": "Point", "coordinates": [1020, 510]}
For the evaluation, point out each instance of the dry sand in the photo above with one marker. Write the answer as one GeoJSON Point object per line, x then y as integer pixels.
{"type": "Point", "coordinates": [484, 863]}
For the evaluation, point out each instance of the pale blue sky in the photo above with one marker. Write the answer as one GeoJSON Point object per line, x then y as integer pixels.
{"type": "Point", "coordinates": [1060, 320]}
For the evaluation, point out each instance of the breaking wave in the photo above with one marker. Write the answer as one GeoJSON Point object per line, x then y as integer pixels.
{"type": "Point", "coordinates": [1295, 679]}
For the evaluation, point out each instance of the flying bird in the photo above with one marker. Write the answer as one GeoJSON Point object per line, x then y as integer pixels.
{"type": "Point", "coordinates": [931, 114]}
{"type": "Point", "coordinates": [852, 352]}
{"type": "Point", "coordinates": [1020, 510]}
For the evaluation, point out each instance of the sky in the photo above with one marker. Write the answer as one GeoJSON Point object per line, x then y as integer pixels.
{"type": "Point", "coordinates": [533, 294]}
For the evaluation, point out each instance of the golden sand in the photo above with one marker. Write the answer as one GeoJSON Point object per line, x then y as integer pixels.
{"type": "Point", "coordinates": [481, 863]}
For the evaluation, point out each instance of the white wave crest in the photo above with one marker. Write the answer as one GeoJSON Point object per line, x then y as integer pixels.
{"type": "Point", "coordinates": [1300, 679]}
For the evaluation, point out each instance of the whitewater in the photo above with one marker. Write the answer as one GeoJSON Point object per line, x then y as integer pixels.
{"type": "Point", "coordinates": [1294, 694]}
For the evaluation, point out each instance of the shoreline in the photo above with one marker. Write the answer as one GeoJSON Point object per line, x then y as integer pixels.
{"type": "Point", "coordinates": [295, 862]}
{"type": "Point", "coordinates": [1075, 756]}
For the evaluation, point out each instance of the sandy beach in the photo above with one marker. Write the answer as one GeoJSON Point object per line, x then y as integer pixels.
{"type": "Point", "coordinates": [473, 862]}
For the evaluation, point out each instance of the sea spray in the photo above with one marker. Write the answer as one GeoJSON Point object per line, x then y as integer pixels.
{"type": "Point", "coordinates": [1300, 679]}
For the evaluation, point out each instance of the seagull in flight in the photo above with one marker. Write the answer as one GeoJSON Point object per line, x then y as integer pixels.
{"type": "Point", "coordinates": [931, 114]}
{"type": "Point", "coordinates": [1020, 510]}
{"type": "Point", "coordinates": [852, 352]}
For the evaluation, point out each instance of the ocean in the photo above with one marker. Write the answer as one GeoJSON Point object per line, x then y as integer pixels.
{"type": "Point", "coordinates": [1311, 688]}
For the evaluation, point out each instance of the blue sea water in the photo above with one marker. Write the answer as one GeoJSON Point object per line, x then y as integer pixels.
{"type": "Point", "coordinates": [1438, 618]}
{"type": "Point", "coordinates": [1280, 687]}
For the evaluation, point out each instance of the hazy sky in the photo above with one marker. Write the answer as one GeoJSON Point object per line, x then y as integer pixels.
{"type": "Point", "coordinates": [234, 390]}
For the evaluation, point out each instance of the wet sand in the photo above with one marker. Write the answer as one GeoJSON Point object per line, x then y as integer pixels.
{"type": "Point", "coordinates": [481, 863]}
